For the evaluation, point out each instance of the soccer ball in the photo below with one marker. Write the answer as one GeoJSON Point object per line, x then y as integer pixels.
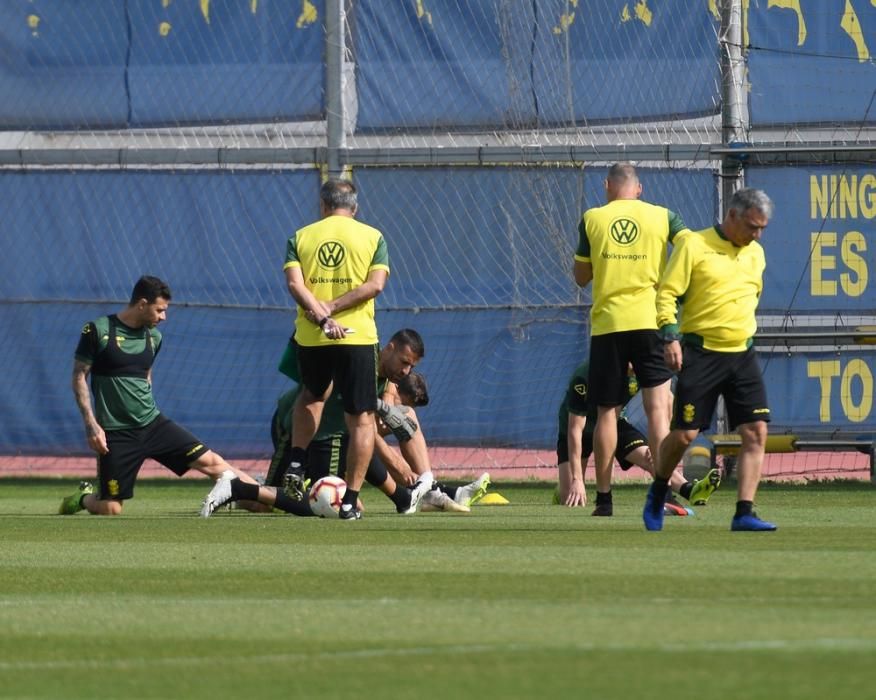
{"type": "Point", "coordinates": [325, 496]}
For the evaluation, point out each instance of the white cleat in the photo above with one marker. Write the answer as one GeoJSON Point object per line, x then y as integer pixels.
{"type": "Point", "coordinates": [437, 500]}
{"type": "Point", "coordinates": [219, 495]}
{"type": "Point", "coordinates": [421, 487]}
{"type": "Point", "coordinates": [471, 493]}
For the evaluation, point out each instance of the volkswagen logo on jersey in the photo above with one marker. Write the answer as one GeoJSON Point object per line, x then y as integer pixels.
{"type": "Point", "coordinates": [331, 254]}
{"type": "Point", "coordinates": [624, 231]}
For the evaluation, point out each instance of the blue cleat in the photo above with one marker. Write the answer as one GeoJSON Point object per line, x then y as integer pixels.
{"type": "Point", "coordinates": [751, 523]}
{"type": "Point", "coordinates": [652, 514]}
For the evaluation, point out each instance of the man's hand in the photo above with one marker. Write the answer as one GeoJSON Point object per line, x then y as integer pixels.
{"type": "Point", "coordinates": [672, 355]}
{"type": "Point", "coordinates": [577, 495]}
{"type": "Point", "coordinates": [395, 419]}
{"type": "Point", "coordinates": [96, 439]}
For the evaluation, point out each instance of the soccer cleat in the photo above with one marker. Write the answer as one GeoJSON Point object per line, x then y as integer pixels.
{"type": "Point", "coordinates": [73, 503]}
{"type": "Point", "coordinates": [421, 487]}
{"type": "Point", "coordinates": [471, 493]}
{"type": "Point", "coordinates": [603, 510]}
{"type": "Point", "coordinates": [219, 495]}
{"type": "Point", "coordinates": [675, 509]}
{"type": "Point", "coordinates": [652, 513]}
{"type": "Point", "coordinates": [435, 500]}
{"type": "Point", "coordinates": [294, 482]}
{"type": "Point", "coordinates": [751, 523]}
{"type": "Point", "coordinates": [704, 488]}
{"type": "Point", "coordinates": [348, 512]}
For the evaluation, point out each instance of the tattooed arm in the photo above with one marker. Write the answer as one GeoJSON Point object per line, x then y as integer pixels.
{"type": "Point", "coordinates": [93, 432]}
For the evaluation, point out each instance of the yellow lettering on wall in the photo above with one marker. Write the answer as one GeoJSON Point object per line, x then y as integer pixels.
{"type": "Point", "coordinates": [848, 197]}
{"type": "Point", "coordinates": [857, 412]}
{"type": "Point", "coordinates": [253, 6]}
{"type": "Point", "coordinates": [422, 12]}
{"type": "Point", "coordinates": [854, 242]}
{"type": "Point", "coordinates": [819, 197]}
{"type": "Point", "coordinates": [33, 22]}
{"type": "Point", "coordinates": [566, 19]}
{"type": "Point", "coordinates": [308, 15]}
{"type": "Point", "coordinates": [852, 26]}
{"type": "Point", "coordinates": [164, 28]}
{"type": "Point", "coordinates": [641, 11]}
{"type": "Point", "coordinates": [713, 9]}
{"type": "Point", "coordinates": [824, 371]}
{"type": "Point", "coordinates": [867, 192]}
{"type": "Point", "coordinates": [643, 14]}
{"type": "Point", "coordinates": [842, 196]}
{"type": "Point", "coordinates": [205, 10]}
{"type": "Point", "coordinates": [795, 6]}
{"type": "Point", "coordinates": [820, 261]}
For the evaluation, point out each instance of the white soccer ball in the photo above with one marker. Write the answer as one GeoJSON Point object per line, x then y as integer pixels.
{"type": "Point", "coordinates": [326, 495]}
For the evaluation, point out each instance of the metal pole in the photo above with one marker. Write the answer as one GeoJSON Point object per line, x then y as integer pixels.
{"type": "Point", "coordinates": [735, 123]}
{"type": "Point", "coordinates": [334, 83]}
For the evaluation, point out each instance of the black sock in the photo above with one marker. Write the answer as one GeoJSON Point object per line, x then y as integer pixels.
{"type": "Point", "coordinates": [660, 488]}
{"type": "Point", "coordinates": [298, 455]}
{"type": "Point", "coordinates": [685, 490]}
{"type": "Point", "coordinates": [603, 499]}
{"type": "Point", "coordinates": [401, 498]}
{"type": "Point", "coordinates": [743, 508]}
{"type": "Point", "coordinates": [350, 497]}
{"type": "Point", "coordinates": [242, 491]}
{"type": "Point", "coordinates": [290, 505]}
{"type": "Point", "coordinates": [449, 490]}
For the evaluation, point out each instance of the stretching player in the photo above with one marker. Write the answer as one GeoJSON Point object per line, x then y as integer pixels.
{"type": "Point", "coordinates": [125, 427]}
{"type": "Point", "coordinates": [575, 445]}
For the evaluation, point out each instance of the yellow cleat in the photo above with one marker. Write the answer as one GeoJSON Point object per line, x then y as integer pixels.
{"type": "Point", "coordinates": [704, 488]}
{"type": "Point", "coordinates": [73, 503]}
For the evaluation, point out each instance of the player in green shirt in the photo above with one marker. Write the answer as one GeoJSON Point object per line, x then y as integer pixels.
{"type": "Point", "coordinates": [124, 427]}
{"type": "Point", "coordinates": [575, 444]}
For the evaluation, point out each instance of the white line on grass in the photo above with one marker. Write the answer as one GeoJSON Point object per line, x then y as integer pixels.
{"type": "Point", "coordinates": [785, 645]}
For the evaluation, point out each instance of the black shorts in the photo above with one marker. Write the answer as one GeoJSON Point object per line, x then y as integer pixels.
{"type": "Point", "coordinates": [705, 375]}
{"type": "Point", "coordinates": [162, 440]}
{"type": "Point", "coordinates": [324, 457]}
{"type": "Point", "coordinates": [628, 439]}
{"type": "Point", "coordinates": [352, 368]}
{"type": "Point", "coordinates": [609, 356]}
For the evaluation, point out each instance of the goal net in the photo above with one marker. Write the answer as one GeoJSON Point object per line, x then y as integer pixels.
{"type": "Point", "coordinates": [188, 140]}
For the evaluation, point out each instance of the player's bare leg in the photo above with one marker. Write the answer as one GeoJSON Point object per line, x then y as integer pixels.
{"type": "Point", "coordinates": [604, 446]}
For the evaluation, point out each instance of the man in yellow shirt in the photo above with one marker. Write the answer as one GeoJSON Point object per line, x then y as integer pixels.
{"type": "Point", "coordinates": [718, 272]}
{"type": "Point", "coordinates": [622, 248]}
{"type": "Point", "coordinates": [334, 269]}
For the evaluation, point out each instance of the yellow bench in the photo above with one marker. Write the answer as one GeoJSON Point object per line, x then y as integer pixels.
{"type": "Point", "coordinates": [729, 444]}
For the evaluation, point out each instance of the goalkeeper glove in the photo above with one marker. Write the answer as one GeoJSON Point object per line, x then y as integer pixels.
{"type": "Point", "coordinates": [396, 420]}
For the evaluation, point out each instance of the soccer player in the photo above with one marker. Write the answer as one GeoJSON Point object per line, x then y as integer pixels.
{"type": "Point", "coordinates": [388, 471]}
{"type": "Point", "coordinates": [125, 426]}
{"type": "Point", "coordinates": [334, 269]}
{"type": "Point", "coordinates": [718, 272]}
{"type": "Point", "coordinates": [622, 248]}
{"type": "Point", "coordinates": [575, 445]}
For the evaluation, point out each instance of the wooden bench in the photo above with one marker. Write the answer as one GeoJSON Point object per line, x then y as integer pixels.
{"type": "Point", "coordinates": [729, 444]}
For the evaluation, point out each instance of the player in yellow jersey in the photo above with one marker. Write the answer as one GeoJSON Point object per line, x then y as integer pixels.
{"type": "Point", "coordinates": [334, 269]}
{"type": "Point", "coordinates": [622, 248]}
{"type": "Point", "coordinates": [718, 273]}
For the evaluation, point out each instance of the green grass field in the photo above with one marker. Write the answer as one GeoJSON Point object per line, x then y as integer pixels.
{"type": "Point", "coordinates": [527, 600]}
